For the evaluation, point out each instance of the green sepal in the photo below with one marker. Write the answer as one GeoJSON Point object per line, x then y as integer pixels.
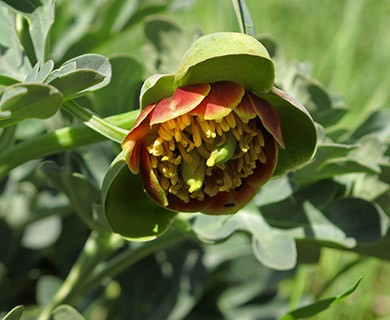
{"type": "Point", "coordinates": [155, 88]}
{"type": "Point", "coordinates": [128, 209]}
{"type": "Point", "coordinates": [227, 56]}
{"type": "Point", "coordinates": [299, 131]}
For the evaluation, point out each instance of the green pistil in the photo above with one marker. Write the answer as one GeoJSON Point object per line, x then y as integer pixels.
{"type": "Point", "coordinates": [223, 153]}
{"type": "Point", "coordinates": [193, 172]}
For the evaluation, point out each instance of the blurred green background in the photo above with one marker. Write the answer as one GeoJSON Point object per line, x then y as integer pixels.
{"type": "Point", "coordinates": [346, 44]}
{"type": "Point", "coordinates": [346, 41]}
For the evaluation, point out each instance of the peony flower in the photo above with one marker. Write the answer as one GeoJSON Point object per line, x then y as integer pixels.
{"type": "Point", "coordinates": [210, 136]}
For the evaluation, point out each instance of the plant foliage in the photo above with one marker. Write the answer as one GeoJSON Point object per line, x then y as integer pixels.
{"type": "Point", "coordinates": [58, 208]}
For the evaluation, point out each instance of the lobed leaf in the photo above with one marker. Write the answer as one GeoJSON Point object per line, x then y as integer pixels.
{"type": "Point", "coordinates": [40, 17]}
{"type": "Point", "coordinates": [29, 100]}
{"type": "Point", "coordinates": [80, 75]}
{"type": "Point", "coordinates": [40, 72]}
{"type": "Point", "coordinates": [339, 159]}
{"type": "Point", "coordinates": [14, 64]}
{"type": "Point", "coordinates": [314, 96]}
{"type": "Point", "coordinates": [274, 248]}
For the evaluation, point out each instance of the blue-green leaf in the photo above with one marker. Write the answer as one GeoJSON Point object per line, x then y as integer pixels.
{"type": "Point", "coordinates": [40, 72]}
{"type": "Point", "coordinates": [80, 75]}
{"type": "Point", "coordinates": [29, 100]}
{"type": "Point", "coordinates": [14, 65]}
{"type": "Point", "coordinates": [40, 17]}
{"type": "Point", "coordinates": [273, 247]}
{"type": "Point", "coordinates": [66, 312]}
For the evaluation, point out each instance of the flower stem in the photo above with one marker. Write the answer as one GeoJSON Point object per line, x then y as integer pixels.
{"type": "Point", "coordinates": [244, 17]}
{"type": "Point", "coordinates": [58, 141]}
{"type": "Point", "coordinates": [96, 249]}
{"type": "Point", "coordinates": [90, 268]}
{"type": "Point", "coordinates": [126, 259]}
{"type": "Point", "coordinates": [7, 137]}
{"type": "Point", "coordinates": [101, 126]}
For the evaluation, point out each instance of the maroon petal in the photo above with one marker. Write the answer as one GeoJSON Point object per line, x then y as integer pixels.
{"type": "Point", "coordinates": [269, 117]}
{"type": "Point", "coordinates": [135, 138]}
{"type": "Point", "coordinates": [149, 179]}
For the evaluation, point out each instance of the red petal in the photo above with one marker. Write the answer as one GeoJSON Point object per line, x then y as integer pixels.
{"type": "Point", "coordinates": [184, 99]}
{"type": "Point", "coordinates": [269, 117]}
{"type": "Point", "coordinates": [144, 113]}
{"type": "Point", "coordinates": [245, 109]}
{"type": "Point", "coordinates": [222, 99]}
{"type": "Point", "coordinates": [150, 181]}
{"type": "Point", "coordinates": [131, 143]}
{"type": "Point", "coordinates": [290, 99]}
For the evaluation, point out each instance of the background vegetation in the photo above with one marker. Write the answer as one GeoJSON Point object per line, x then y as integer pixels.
{"type": "Point", "coordinates": [341, 43]}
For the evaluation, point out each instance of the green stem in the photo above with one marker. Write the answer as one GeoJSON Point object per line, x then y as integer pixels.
{"type": "Point", "coordinates": [244, 17]}
{"type": "Point", "coordinates": [299, 287]}
{"type": "Point", "coordinates": [89, 269]}
{"type": "Point", "coordinates": [96, 249]}
{"type": "Point", "coordinates": [124, 260]}
{"type": "Point", "coordinates": [101, 126]}
{"type": "Point", "coordinates": [7, 137]}
{"type": "Point", "coordinates": [57, 141]}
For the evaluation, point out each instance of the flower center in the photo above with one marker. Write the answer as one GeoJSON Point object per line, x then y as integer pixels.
{"type": "Point", "coordinates": [192, 157]}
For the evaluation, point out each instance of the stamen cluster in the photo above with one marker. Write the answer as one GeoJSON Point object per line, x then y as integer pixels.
{"type": "Point", "coordinates": [190, 140]}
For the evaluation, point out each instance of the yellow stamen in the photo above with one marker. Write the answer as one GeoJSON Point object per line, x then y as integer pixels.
{"type": "Point", "coordinates": [177, 135]}
{"type": "Point", "coordinates": [231, 147]}
{"type": "Point", "coordinates": [262, 157]}
{"type": "Point", "coordinates": [164, 134]}
{"type": "Point", "coordinates": [196, 135]}
{"type": "Point", "coordinates": [231, 120]}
